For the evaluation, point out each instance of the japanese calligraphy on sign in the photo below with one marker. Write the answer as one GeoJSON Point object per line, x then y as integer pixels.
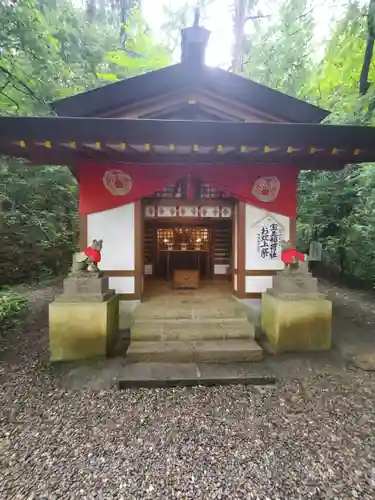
{"type": "Point", "coordinates": [269, 237]}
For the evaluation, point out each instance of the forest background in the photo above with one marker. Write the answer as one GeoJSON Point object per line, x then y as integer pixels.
{"type": "Point", "coordinates": [50, 49]}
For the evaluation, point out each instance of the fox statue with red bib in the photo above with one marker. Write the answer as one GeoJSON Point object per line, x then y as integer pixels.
{"type": "Point", "coordinates": [88, 260]}
{"type": "Point", "coordinates": [293, 260]}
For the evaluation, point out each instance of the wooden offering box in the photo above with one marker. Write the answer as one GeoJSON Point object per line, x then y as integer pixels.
{"type": "Point", "coordinates": [185, 278]}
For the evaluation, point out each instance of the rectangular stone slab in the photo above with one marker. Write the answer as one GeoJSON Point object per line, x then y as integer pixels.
{"type": "Point", "coordinates": [82, 330]}
{"type": "Point", "coordinates": [296, 325]}
{"type": "Point", "coordinates": [294, 284]}
{"type": "Point", "coordinates": [152, 375]}
{"type": "Point", "coordinates": [192, 330]}
{"type": "Point", "coordinates": [214, 351]}
{"type": "Point", "coordinates": [85, 297]}
{"type": "Point", "coordinates": [86, 284]}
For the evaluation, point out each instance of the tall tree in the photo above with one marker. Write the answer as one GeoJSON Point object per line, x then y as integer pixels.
{"type": "Point", "coordinates": [338, 206]}
{"type": "Point", "coordinates": [48, 51]}
{"type": "Point", "coordinates": [243, 11]}
{"type": "Point", "coordinates": [334, 83]}
{"type": "Point", "coordinates": [364, 84]}
{"type": "Point", "coordinates": [113, 12]}
{"type": "Point", "coordinates": [281, 48]}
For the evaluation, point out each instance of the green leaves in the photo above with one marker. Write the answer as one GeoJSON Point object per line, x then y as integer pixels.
{"type": "Point", "coordinates": [139, 55]}
{"type": "Point", "coordinates": [12, 306]}
{"type": "Point", "coordinates": [281, 48]}
{"type": "Point", "coordinates": [335, 82]}
{"type": "Point", "coordinates": [371, 19]}
{"type": "Point", "coordinates": [338, 207]}
{"type": "Point", "coordinates": [50, 51]}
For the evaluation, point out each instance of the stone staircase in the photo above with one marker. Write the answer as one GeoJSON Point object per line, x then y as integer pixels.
{"type": "Point", "coordinates": [192, 327]}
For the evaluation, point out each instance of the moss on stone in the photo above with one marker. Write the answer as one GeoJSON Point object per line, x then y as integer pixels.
{"type": "Point", "coordinates": [297, 325]}
{"type": "Point", "coordinates": [82, 330]}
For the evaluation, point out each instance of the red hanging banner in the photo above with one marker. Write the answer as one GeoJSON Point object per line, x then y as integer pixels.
{"type": "Point", "coordinates": [105, 186]}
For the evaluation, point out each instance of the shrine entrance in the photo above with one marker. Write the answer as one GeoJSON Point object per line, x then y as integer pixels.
{"type": "Point", "coordinates": [204, 246]}
{"type": "Point", "coordinates": [188, 240]}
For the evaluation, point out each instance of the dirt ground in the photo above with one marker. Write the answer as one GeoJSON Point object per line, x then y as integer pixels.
{"type": "Point", "coordinates": [356, 305]}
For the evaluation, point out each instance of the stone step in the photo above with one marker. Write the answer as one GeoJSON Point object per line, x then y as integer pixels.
{"type": "Point", "coordinates": [152, 375]}
{"type": "Point", "coordinates": [189, 298]}
{"type": "Point", "coordinates": [152, 330]}
{"type": "Point", "coordinates": [205, 351]}
{"type": "Point", "coordinates": [226, 310]}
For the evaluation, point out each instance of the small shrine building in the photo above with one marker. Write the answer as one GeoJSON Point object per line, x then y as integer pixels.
{"type": "Point", "coordinates": [187, 167]}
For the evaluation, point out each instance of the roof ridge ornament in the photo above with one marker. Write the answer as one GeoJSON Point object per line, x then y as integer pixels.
{"type": "Point", "coordinates": [197, 15]}
{"type": "Point", "coordinates": [194, 41]}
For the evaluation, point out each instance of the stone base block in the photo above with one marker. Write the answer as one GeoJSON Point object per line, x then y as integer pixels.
{"type": "Point", "coordinates": [86, 285]}
{"type": "Point", "coordinates": [296, 325]}
{"type": "Point", "coordinates": [83, 330]}
{"type": "Point", "coordinates": [85, 297]}
{"type": "Point", "coordinates": [294, 283]}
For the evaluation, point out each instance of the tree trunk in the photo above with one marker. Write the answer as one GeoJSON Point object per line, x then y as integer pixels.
{"type": "Point", "coordinates": [239, 22]}
{"type": "Point", "coordinates": [90, 9]}
{"type": "Point", "coordinates": [364, 84]}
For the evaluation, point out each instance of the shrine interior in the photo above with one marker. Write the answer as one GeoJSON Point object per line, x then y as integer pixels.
{"type": "Point", "coordinates": [194, 245]}
{"type": "Point", "coordinates": [187, 234]}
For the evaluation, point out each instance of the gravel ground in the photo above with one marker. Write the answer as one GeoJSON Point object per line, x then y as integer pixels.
{"type": "Point", "coordinates": [311, 437]}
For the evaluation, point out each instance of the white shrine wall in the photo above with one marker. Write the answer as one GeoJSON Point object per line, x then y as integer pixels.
{"type": "Point", "coordinates": [260, 253]}
{"type": "Point", "coordinates": [116, 227]}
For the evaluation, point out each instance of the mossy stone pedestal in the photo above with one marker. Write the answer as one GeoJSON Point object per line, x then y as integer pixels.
{"type": "Point", "coordinates": [84, 320]}
{"type": "Point", "coordinates": [295, 316]}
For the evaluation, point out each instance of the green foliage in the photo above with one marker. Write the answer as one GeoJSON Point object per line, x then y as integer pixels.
{"type": "Point", "coordinates": [279, 49]}
{"type": "Point", "coordinates": [47, 53]}
{"type": "Point", "coordinates": [335, 207]}
{"type": "Point", "coordinates": [12, 307]}
{"type": "Point", "coordinates": [371, 19]}
{"type": "Point", "coordinates": [50, 49]}
{"type": "Point", "coordinates": [338, 207]}
{"type": "Point", "coordinates": [39, 221]}
{"type": "Point", "coordinates": [335, 82]}
{"type": "Point", "coordinates": [139, 55]}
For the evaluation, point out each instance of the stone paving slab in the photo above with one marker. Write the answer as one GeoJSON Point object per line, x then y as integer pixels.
{"type": "Point", "coordinates": [152, 330]}
{"type": "Point", "coordinates": [189, 374]}
{"type": "Point", "coordinates": [230, 309]}
{"type": "Point", "coordinates": [222, 351]}
{"type": "Point", "coordinates": [116, 373]}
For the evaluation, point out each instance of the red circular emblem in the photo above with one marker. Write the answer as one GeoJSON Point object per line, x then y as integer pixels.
{"type": "Point", "coordinates": [266, 189]}
{"type": "Point", "coordinates": [117, 182]}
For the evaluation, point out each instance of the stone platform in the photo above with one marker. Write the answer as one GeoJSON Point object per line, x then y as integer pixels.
{"type": "Point", "coordinates": [204, 325]}
{"type": "Point", "coordinates": [295, 315]}
{"type": "Point", "coordinates": [84, 319]}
